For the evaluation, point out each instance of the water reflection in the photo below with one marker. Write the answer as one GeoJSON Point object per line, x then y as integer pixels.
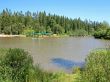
{"type": "Point", "coordinates": [67, 64]}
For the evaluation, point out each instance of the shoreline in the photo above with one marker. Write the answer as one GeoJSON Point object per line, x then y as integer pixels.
{"type": "Point", "coordinates": [41, 36]}
{"type": "Point", "coordinates": [3, 36]}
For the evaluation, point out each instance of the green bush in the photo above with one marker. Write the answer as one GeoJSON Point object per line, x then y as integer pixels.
{"type": "Point", "coordinates": [100, 34]}
{"type": "Point", "coordinates": [78, 33]}
{"type": "Point", "coordinates": [28, 32]}
{"type": "Point", "coordinates": [105, 34]}
{"type": "Point", "coordinates": [15, 65]}
{"type": "Point", "coordinates": [97, 67]}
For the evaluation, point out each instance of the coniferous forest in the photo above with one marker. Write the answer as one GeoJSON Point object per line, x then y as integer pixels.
{"type": "Point", "coordinates": [16, 23]}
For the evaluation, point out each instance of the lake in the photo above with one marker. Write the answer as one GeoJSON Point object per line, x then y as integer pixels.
{"type": "Point", "coordinates": [56, 54]}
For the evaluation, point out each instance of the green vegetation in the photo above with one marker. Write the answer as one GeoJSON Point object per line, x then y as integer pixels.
{"type": "Point", "coordinates": [97, 67]}
{"type": "Point", "coordinates": [16, 65]}
{"type": "Point", "coordinates": [16, 23]}
{"type": "Point", "coordinates": [103, 34]}
{"type": "Point", "coordinates": [28, 32]}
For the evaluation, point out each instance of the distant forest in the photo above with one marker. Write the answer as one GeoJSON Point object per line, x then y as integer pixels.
{"type": "Point", "coordinates": [20, 22]}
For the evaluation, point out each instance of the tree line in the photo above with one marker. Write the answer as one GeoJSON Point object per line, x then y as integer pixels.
{"type": "Point", "coordinates": [19, 22]}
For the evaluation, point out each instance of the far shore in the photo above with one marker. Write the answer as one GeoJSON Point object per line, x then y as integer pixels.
{"type": "Point", "coordinates": [40, 36]}
{"type": "Point", "coordinates": [4, 35]}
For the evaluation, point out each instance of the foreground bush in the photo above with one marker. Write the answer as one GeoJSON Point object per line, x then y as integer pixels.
{"type": "Point", "coordinates": [15, 65]}
{"type": "Point", "coordinates": [97, 67]}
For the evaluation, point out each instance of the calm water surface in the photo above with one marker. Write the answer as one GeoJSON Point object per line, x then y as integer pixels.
{"type": "Point", "coordinates": [56, 54]}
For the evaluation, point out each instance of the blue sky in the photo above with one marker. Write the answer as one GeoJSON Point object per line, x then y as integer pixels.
{"type": "Point", "coordinates": [97, 10]}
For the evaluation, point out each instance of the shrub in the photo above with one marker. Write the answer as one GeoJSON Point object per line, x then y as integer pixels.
{"type": "Point", "coordinates": [100, 34]}
{"type": "Point", "coordinates": [15, 65]}
{"type": "Point", "coordinates": [28, 32]}
{"type": "Point", "coordinates": [97, 67]}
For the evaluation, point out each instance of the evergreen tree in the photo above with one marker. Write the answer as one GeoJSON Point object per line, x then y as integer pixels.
{"type": "Point", "coordinates": [17, 22]}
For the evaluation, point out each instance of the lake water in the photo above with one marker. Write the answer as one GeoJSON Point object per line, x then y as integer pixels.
{"type": "Point", "coordinates": [56, 54]}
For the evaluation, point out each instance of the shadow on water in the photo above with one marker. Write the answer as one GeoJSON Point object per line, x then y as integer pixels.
{"type": "Point", "coordinates": [67, 64]}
